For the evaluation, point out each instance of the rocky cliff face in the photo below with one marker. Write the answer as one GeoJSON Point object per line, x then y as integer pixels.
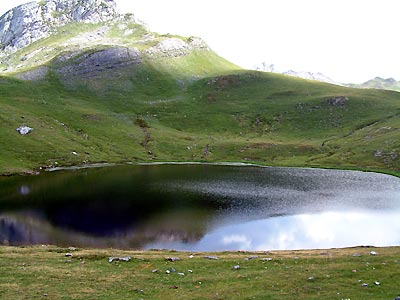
{"type": "Point", "coordinates": [30, 22]}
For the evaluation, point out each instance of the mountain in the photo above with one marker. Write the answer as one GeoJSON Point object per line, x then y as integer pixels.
{"type": "Point", "coordinates": [85, 84]}
{"type": "Point", "coordinates": [379, 83]}
{"type": "Point", "coordinates": [264, 67]}
{"type": "Point", "coordinates": [376, 83]}
{"type": "Point", "coordinates": [310, 76]}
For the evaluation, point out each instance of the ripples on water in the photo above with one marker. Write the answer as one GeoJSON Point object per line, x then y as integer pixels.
{"type": "Point", "coordinates": [201, 208]}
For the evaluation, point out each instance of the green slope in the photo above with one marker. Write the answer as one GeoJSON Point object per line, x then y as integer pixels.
{"type": "Point", "coordinates": [181, 105]}
{"type": "Point", "coordinates": [242, 116]}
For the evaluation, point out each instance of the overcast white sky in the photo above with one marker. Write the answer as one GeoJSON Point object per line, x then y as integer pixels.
{"type": "Point", "coordinates": [347, 40]}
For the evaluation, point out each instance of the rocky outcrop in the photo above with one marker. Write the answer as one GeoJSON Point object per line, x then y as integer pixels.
{"type": "Point", "coordinates": [93, 64]}
{"type": "Point", "coordinates": [34, 75]}
{"type": "Point", "coordinates": [30, 22]}
{"type": "Point", "coordinates": [174, 47]}
{"type": "Point", "coordinates": [338, 101]}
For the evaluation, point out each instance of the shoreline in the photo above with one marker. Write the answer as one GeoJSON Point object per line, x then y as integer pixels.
{"type": "Point", "coordinates": [222, 163]}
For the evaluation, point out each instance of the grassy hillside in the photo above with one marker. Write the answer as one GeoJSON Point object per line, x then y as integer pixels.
{"type": "Point", "coordinates": [46, 272]}
{"type": "Point", "coordinates": [241, 115]}
{"type": "Point", "coordinates": [180, 105]}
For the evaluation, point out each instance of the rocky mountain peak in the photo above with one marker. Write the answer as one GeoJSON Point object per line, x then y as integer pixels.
{"type": "Point", "coordinates": [30, 22]}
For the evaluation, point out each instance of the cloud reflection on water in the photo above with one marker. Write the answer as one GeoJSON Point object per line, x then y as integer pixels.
{"type": "Point", "coordinates": [305, 231]}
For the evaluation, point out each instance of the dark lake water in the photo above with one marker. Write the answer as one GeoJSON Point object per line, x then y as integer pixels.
{"type": "Point", "coordinates": [200, 208]}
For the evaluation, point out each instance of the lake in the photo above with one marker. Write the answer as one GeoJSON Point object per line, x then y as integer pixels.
{"type": "Point", "coordinates": [200, 207]}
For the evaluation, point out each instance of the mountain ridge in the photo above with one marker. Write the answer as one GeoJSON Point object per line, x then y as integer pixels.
{"type": "Point", "coordinates": [27, 23]}
{"type": "Point", "coordinates": [375, 83]}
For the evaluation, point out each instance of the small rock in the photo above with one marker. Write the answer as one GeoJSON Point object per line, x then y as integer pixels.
{"type": "Point", "coordinates": [68, 255]}
{"type": "Point", "coordinates": [126, 259]}
{"type": "Point", "coordinates": [356, 254]}
{"type": "Point", "coordinates": [237, 267]}
{"type": "Point", "coordinates": [173, 270]}
{"type": "Point", "coordinates": [74, 153]}
{"type": "Point", "coordinates": [373, 253]}
{"type": "Point", "coordinates": [71, 248]}
{"type": "Point", "coordinates": [191, 256]}
{"type": "Point", "coordinates": [24, 130]}
{"type": "Point", "coordinates": [365, 284]}
{"type": "Point", "coordinates": [168, 271]}
{"type": "Point", "coordinates": [354, 271]}
{"type": "Point", "coordinates": [251, 257]}
{"type": "Point", "coordinates": [190, 271]}
{"type": "Point", "coordinates": [397, 298]}
{"type": "Point", "coordinates": [267, 259]}
{"type": "Point", "coordinates": [154, 271]}
{"type": "Point", "coordinates": [311, 278]}
{"type": "Point", "coordinates": [173, 259]}
{"type": "Point", "coordinates": [174, 287]}
{"type": "Point", "coordinates": [181, 274]}
{"type": "Point", "coordinates": [377, 283]}
{"type": "Point", "coordinates": [211, 257]}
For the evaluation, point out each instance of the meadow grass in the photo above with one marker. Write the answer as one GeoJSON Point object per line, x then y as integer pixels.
{"type": "Point", "coordinates": [44, 272]}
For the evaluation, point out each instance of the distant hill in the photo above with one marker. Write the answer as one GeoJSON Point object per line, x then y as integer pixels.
{"type": "Point", "coordinates": [379, 83]}
{"type": "Point", "coordinates": [376, 83]}
{"type": "Point", "coordinates": [303, 74]}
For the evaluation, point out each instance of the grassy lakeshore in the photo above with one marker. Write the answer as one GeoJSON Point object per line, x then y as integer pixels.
{"type": "Point", "coordinates": [45, 272]}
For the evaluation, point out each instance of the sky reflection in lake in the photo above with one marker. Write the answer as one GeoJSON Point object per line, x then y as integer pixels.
{"type": "Point", "coordinates": [201, 208]}
{"type": "Point", "coordinates": [306, 231]}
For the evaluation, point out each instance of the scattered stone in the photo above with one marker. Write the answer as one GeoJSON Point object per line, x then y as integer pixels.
{"type": "Point", "coordinates": [365, 284]}
{"type": "Point", "coordinates": [311, 278]}
{"type": "Point", "coordinates": [154, 271]}
{"type": "Point", "coordinates": [397, 298]}
{"type": "Point", "coordinates": [173, 270]}
{"type": "Point", "coordinates": [356, 254]}
{"type": "Point", "coordinates": [237, 267]}
{"type": "Point", "coordinates": [377, 283]}
{"type": "Point", "coordinates": [24, 130]}
{"type": "Point", "coordinates": [354, 271]}
{"type": "Point", "coordinates": [75, 153]}
{"type": "Point", "coordinates": [190, 271]}
{"type": "Point", "coordinates": [72, 249]}
{"type": "Point", "coordinates": [168, 271]}
{"type": "Point", "coordinates": [373, 253]}
{"type": "Point", "coordinates": [251, 257]}
{"type": "Point", "coordinates": [68, 255]}
{"type": "Point", "coordinates": [211, 257]}
{"type": "Point", "coordinates": [181, 274]}
{"type": "Point", "coordinates": [338, 101]}
{"type": "Point", "coordinates": [126, 259]}
{"type": "Point", "coordinates": [191, 256]}
{"type": "Point", "coordinates": [174, 287]}
{"type": "Point", "coordinates": [267, 259]}
{"type": "Point", "coordinates": [378, 153]}
{"type": "Point", "coordinates": [173, 259]}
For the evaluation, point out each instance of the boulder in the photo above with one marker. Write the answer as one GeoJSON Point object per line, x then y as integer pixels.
{"type": "Point", "coordinates": [24, 130]}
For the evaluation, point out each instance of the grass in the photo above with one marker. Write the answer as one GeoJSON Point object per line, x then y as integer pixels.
{"type": "Point", "coordinates": [243, 116]}
{"type": "Point", "coordinates": [46, 273]}
{"type": "Point", "coordinates": [189, 103]}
